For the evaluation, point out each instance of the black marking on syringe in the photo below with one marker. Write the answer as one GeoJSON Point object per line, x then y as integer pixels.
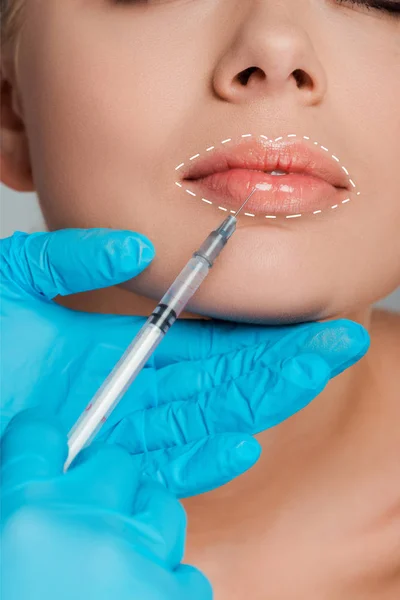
{"type": "Point", "coordinates": [163, 317]}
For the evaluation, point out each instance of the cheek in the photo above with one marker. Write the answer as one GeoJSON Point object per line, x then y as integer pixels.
{"type": "Point", "coordinates": [104, 121]}
{"type": "Point", "coordinates": [364, 104]}
{"type": "Point", "coordinates": [90, 143]}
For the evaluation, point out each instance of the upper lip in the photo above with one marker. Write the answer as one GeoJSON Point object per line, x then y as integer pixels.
{"type": "Point", "coordinates": [293, 157]}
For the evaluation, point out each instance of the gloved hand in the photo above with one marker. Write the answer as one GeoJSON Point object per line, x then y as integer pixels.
{"type": "Point", "coordinates": [90, 534]}
{"type": "Point", "coordinates": [209, 386]}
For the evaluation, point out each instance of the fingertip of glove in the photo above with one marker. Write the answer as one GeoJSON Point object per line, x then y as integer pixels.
{"type": "Point", "coordinates": [37, 418]}
{"type": "Point", "coordinates": [136, 252]}
{"type": "Point", "coordinates": [340, 342]}
{"type": "Point", "coordinates": [307, 371]}
{"type": "Point", "coordinates": [352, 344]}
{"type": "Point", "coordinates": [361, 337]}
{"type": "Point", "coordinates": [32, 432]}
{"type": "Point", "coordinates": [111, 255]}
{"type": "Point", "coordinates": [70, 261]}
{"type": "Point", "coordinates": [356, 332]}
{"type": "Point", "coordinates": [339, 329]}
{"type": "Point", "coordinates": [194, 582]}
{"type": "Point", "coordinates": [246, 453]}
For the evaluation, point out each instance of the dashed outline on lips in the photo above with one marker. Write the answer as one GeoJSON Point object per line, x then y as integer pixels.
{"type": "Point", "coordinates": [250, 215]}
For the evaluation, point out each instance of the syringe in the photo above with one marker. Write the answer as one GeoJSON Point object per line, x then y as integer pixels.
{"type": "Point", "coordinates": [150, 336]}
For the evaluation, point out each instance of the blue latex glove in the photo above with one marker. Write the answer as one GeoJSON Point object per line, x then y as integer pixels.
{"type": "Point", "coordinates": [207, 389]}
{"type": "Point", "coordinates": [91, 533]}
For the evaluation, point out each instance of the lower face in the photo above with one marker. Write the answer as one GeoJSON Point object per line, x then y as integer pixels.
{"type": "Point", "coordinates": [120, 95]}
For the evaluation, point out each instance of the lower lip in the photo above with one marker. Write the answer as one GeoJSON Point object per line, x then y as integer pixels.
{"type": "Point", "coordinates": [286, 194]}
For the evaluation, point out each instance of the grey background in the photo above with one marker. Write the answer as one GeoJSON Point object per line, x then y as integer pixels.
{"type": "Point", "coordinates": [21, 211]}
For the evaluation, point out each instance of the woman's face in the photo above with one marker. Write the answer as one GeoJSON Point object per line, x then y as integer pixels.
{"type": "Point", "coordinates": [116, 95]}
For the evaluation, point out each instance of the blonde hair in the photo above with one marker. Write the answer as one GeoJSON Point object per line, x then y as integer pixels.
{"type": "Point", "coordinates": [10, 16]}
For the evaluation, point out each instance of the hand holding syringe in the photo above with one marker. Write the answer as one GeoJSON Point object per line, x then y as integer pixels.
{"type": "Point", "coordinates": [150, 335]}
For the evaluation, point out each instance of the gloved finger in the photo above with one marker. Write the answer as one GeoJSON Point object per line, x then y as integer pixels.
{"type": "Point", "coordinates": [200, 466]}
{"type": "Point", "coordinates": [106, 477]}
{"type": "Point", "coordinates": [73, 260]}
{"type": "Point", "coordinates": [192, 584]}
{"type": "Point", "coordinates": [194, 339]}
{"type": "Point", "coordinates": [32, 447]}
{"type": "Point", "coordinates": [340, 343]}
{"type": "Point", "coordinates": [250, 403]}
{"type": "Point", "coordinates": [181, 378]}
{"type": "Point", "coordinates": [160, 520]}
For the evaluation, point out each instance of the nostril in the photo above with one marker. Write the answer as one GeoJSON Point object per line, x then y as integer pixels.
{"type": "Point", "coordinates": [245, 75]}
{"type": "Point", "coordinates": [302, 79]}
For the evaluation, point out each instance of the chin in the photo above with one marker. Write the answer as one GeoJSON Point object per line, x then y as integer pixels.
{"type": "Point", "coordinates": [258, 313]}
{"type": "Point", "coordinates": [253, 291]}
{"type": "Point", "coordinates": [245, 307]}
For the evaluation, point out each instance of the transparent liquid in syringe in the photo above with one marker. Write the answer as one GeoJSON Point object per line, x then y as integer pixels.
{"type": "Point", "coordinates": [186, 284]}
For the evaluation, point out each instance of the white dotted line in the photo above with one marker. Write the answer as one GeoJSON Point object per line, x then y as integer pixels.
{"type": "Point", "coordinates": [291, 135]}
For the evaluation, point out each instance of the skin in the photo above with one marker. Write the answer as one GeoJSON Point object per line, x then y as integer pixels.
{"type": "Point", "coordinates": [97, 130]}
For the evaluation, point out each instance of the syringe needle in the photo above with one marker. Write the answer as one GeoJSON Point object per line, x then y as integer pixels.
{"type": "Point", "coordinates": [244, 203]}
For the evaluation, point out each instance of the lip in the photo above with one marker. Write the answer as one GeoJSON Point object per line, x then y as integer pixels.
{"type": "Point", "coordinates": [315, 181]}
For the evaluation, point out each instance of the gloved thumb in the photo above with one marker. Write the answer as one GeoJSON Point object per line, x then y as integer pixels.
{"type": "Point", "coordinates": [32, 447]}
{"type": "Point", "coordinates": [73, 260]}
{"type": "Point", "coordinates": [107, 477]}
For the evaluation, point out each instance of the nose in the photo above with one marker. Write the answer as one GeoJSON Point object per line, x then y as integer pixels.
{"type": "Point", "coordinates": [272, 54]}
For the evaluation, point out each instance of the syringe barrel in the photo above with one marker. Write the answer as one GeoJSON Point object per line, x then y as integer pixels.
{"type": "Point", "coordinates": [113, 388]}
{"type": "Point", "coordinates": [183, 288]}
